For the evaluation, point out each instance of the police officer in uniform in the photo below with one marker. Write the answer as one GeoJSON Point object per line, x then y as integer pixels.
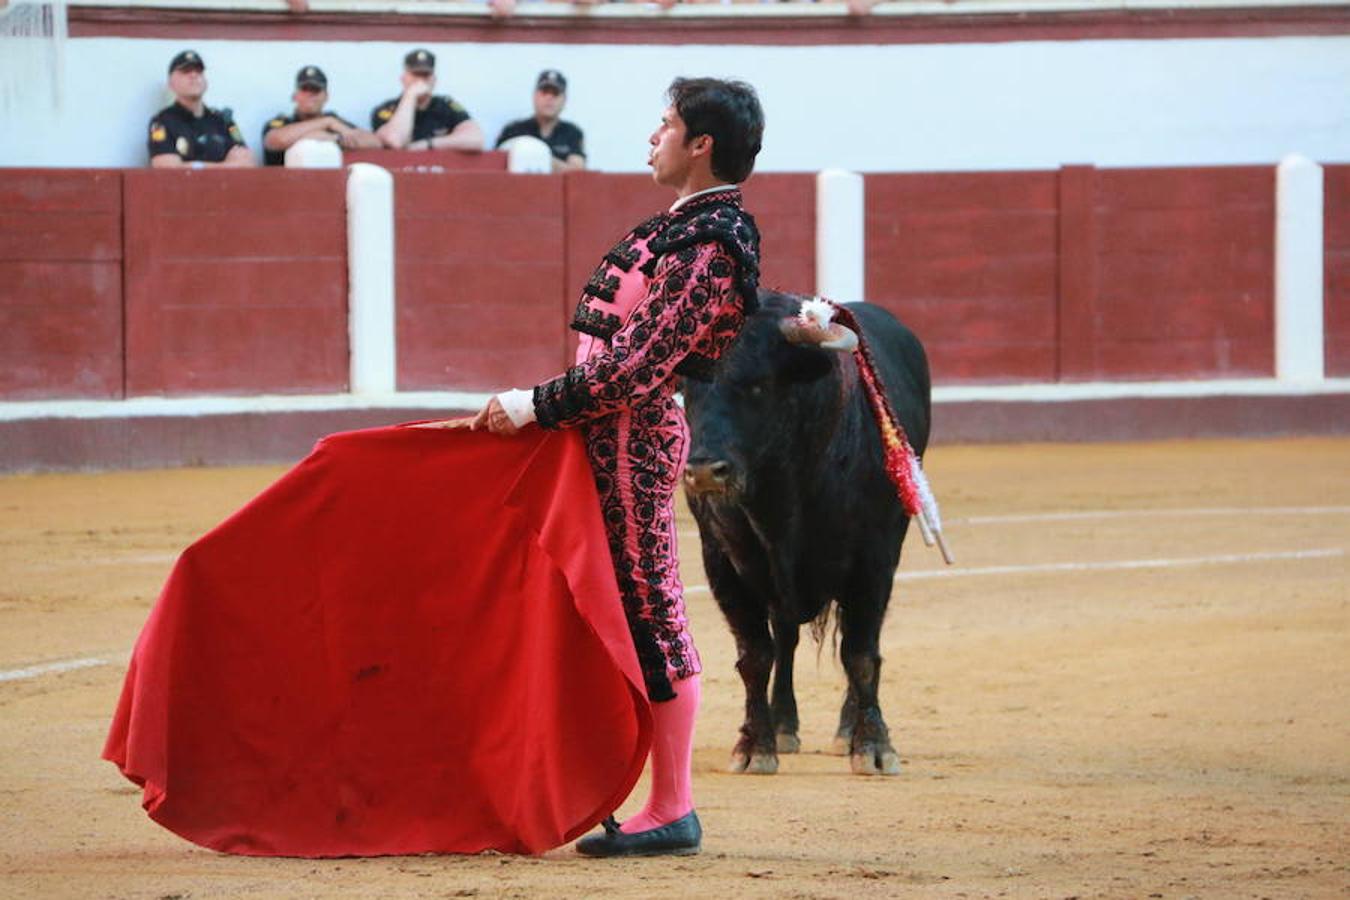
{"type": "Point", "coordinates": [187, 132]}
{"type": "Point", "coordinates": [563, 138]}
{"type": "Point", "coordinates": [310, 120]}
{"type": "Point", "coordinates": [420, 119]}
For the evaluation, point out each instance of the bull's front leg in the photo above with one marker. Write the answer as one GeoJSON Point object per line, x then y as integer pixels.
{"type": "Point", "coordinates": [870, 750]}
{"type": "Point", "coordinates": [785, 636]}
{"type": "Point", "coordinates": [747, 616]}
{"type": "Point", "coordinates": [755, 752]}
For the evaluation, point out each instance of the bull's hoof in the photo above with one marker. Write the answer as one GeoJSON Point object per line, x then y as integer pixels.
{"type": "Point", "coordinates": [841, 745]}
{"type": "Point", "coordinates": [789, 743]}
{"type": "Point", "coordinates": [753, 764]}
{"type": "Point", "coordinates": [875, 761]}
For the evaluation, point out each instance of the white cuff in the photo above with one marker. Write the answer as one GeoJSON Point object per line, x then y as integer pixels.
{"type": "Point", "coordinates": [519, 406]}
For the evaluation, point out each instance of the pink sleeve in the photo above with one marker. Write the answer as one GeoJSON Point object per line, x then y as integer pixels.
{"type": "Point", "coordinates": [691, 306]}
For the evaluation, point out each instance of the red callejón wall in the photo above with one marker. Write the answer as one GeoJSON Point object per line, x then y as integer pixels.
{"type": "Point", "coordinates": [133, 283]}
{"type": "Point", "coordinates": [236, 282]}
{"type": "Point", "coordinates": [60, 284]}
{"type": "Point", "coordinates": [1185, 263]}
{"type": "Point", "coordinates": [1336, 297]}
{"type": "Point", "coordinates": [1079, 275]}
{"type": "Point", "coordinates": [479, 270]}
{"type": "Point", "coordinates": [968, 261]}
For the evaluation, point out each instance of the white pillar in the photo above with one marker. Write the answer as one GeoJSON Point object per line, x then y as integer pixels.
{"type": "Point", "coordinates": [1299, 353]}
{"type": "Point", "coordinates": [370, 276]}
{"type": "Point", "coordinates": [307, 153]}
{"type": "Point", "coordinates": [840, 241]}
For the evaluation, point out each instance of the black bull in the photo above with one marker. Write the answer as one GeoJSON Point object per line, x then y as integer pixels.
{"type": "Point", "coordinates": [795, 511]}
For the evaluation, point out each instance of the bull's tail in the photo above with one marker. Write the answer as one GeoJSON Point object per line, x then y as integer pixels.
{"type": "Point", "coordinates": [820, 628]}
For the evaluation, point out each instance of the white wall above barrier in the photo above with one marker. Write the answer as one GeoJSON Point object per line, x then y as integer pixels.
{"type": "Point", "coordinates": [944, 107]}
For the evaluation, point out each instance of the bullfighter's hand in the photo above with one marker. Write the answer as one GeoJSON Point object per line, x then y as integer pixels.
{"type": "Point", "coordinates": [492, 418]}
{"type": "Point", "coordinates": [461, 422]}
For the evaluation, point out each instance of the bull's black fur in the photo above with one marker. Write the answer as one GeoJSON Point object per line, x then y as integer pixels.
{"type": "Point", "coordinates": [795, 511]}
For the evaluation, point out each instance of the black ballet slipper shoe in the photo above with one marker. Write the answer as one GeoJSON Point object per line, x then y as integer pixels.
{"type": "Point", "coordinates": [683, 837]}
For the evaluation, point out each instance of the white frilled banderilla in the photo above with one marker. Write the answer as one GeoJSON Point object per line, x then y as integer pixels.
{"type": "Point", "coordinates": [816, 324]}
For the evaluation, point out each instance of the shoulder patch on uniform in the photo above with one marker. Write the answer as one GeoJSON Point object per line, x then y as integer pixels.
{"type": "Point", "coordinates": [236, 133]}
{"type": "Point", "coordinates": [157, 132]}
{"type": "Point", "coordinates": [455, 105]}
{"type": "Point", "coordinates": [385, 113]}
{"type": "Point", "coordinates": [276, 123]}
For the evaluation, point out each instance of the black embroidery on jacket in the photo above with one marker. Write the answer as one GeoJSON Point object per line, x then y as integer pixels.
{"type": "Point", "coordinates": [589, 320]}
{"type": "Point", "coordinates": [715, 217]}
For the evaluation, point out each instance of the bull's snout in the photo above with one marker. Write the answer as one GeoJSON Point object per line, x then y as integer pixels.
{"type": "Point", "coordinates": [707, 476]}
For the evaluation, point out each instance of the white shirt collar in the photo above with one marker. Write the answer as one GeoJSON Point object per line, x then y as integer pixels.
{"type": "Point", "coordinates": [717, 187]}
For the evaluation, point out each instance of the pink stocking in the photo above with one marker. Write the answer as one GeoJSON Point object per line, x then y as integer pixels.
{"type": "Point", "coordinates": [672, 793]}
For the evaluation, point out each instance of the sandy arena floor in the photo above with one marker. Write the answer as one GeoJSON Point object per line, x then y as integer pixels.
{"type": "Point", "coordinates": [1135, 684]}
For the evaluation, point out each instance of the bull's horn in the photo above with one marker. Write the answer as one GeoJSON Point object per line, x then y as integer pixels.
{"type": "Point", "coordinates": [836, 337]}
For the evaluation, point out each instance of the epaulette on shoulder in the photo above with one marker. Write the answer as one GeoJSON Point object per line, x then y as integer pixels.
{"type": "Point", "coordinates": [727, 224]}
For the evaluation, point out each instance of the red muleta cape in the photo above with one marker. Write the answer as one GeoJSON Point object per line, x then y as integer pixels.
{"type": "Point", "coordinates": [412, 642]}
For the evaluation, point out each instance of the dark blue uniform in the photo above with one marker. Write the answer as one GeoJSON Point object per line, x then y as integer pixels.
{"type": "Point", "coordinates": [565, 139]}
{"type": "Point", "coordinates": [442, 116]}
{"type": "Point", "coordinates": [206, 138]}
{"type": "Point", "coordinates": [278, 157]}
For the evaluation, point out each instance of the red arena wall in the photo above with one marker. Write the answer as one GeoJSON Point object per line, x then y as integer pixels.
{"type": "Point", "coordinates": [784, 207]}
{"type": "Point", "coordinates": [968, 260]}
{"type": "Point", "coordinates": [1336, 295]}
{"type": "Point", "coordinates": [138, 282]}
{"type": "Point", "coordinates": [236, 282]}
{"type": "Point", "coordinates": [60, 284]}
{"type": "Point", "coordinates": [479, 270]}
{"type": "Point", "coordinates": [1185, 273]}
{"type": "Point", "coordinates": [1083, 274]}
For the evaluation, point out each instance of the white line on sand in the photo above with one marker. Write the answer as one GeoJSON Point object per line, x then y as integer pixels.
{"type": "Point", "coordinates": [67, 665]}
{"type": "Point", "coordinates": [1117, 565]}
{"type": "Point", "coordinates": [1108, 566]}
{"type": "Point", "coordinates": [1156, 514]}
{"type": "Point", "coordinates": [1089, 514]}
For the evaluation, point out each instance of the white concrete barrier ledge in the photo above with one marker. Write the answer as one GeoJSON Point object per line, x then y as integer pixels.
{"type": "Point", "coordinates": [1299, 328]}
{"type": "Point", "coordinates": [308, 153]}
{"type": "Point", "coordinates": [527, 155]}
{"type": "Point", "coordinates": [1048, 392]}
{"type": "Point", "coordinates": [840, 235]}
{"type": "Point", "coordinates": [370, 274]}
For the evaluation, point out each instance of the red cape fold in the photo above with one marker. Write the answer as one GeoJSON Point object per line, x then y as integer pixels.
{"type": "Point", "coordinates": [412, 642]}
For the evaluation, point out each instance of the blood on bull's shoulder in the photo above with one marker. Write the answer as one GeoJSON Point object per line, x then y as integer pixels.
{"type": "Point", "coordinates": [797, 516]}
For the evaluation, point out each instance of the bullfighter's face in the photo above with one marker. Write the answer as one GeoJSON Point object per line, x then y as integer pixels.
{"type": "Point", "coordinates": [674, 155]}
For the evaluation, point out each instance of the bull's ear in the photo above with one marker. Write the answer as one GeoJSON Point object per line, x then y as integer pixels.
{"type": "Point", "coordinates": [802, 364]}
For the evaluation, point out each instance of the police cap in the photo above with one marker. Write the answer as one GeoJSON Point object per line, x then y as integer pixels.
{"type": "Point", "coordinates": [551, 79]}
{"type": "Point", "coordinates": [187, 59]}
{"type": "Point", "coordinates": [311, 76]}
{"type": "Point", "coordinates": [420, 61]}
